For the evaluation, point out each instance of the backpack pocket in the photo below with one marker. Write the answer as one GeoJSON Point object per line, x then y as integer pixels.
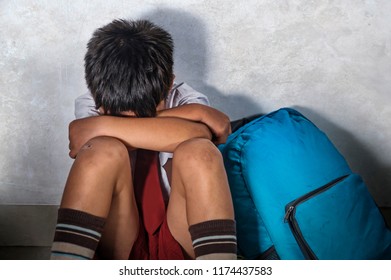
{"type": "Point", "coordinates": [339, 220]}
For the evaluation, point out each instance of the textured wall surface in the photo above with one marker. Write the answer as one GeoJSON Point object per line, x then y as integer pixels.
{"type": "Point", "coordinates": [330, 59]}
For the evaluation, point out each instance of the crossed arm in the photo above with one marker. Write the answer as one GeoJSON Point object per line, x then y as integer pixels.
{"type": "Point", "coordinates": [162, 133]}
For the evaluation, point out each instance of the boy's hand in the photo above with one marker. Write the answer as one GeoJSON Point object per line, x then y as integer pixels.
{"type": "Point", "coordinates": [218, 123]}
{"type": "Point", "coordinates": [80, 131]}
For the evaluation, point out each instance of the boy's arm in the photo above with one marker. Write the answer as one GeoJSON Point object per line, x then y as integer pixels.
{"type": "Point", "coordinates": [218, 122]}
{"type": "Point", "coordinates": [158, 134]}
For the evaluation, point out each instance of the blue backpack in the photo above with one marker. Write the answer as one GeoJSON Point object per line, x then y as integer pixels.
{"type": "Point", "coordinates": [295, 196]}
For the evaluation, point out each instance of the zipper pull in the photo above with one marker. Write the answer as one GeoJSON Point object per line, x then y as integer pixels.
{"type": "Point", "coordinates": [288, 213]}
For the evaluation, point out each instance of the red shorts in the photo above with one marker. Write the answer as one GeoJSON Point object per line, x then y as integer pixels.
{"type": "Point", "coordinates": [154, 241]}
{"type": "Point", "coordinates": [160, 246]}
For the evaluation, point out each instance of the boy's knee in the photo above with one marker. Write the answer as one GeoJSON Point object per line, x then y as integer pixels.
{"type": "Point", "coordinates": [197, 153]}
{"type": "Point", "coordinates": [104, 149]}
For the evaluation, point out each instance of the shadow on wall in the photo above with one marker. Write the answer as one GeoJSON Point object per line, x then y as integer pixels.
{"type": "Point", "coordinates": [191, 61]}
{"type": "Point", "coordinates": [192, 66]}
{"type": "Point", "coordinates": [359, 157]}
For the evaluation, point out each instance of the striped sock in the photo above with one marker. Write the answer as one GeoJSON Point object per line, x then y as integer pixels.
{"type": "Point", "coordinates": [214, 240]}
{"type": "Point", "coordinates": [77, 235]}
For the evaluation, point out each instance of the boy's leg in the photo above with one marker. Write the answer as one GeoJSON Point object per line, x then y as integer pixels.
{"type": "Point", "coordinates": [200, 201]}
{"type": "Point", "coordinates": [99, 187]}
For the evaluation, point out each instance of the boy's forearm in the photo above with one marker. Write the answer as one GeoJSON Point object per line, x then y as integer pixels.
{"type": "Point", "coordinates": [192, 112]}
{"type": "Point", "coordinates": [158, 134]}
{"type": "Point", "coordinates": [218, 123]}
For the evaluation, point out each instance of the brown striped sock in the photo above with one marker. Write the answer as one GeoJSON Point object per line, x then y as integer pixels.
{"type": "Point", "coordinates": [214, 240]}
{"type": "Point", "coordinates": [77, 235]}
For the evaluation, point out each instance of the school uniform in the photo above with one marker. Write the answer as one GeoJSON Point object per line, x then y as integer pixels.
{"type": "Point", "coordinates": [152, 188]}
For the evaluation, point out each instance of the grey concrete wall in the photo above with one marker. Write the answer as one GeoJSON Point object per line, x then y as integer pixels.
{"type": "Point", "coordinates": [330, 59]}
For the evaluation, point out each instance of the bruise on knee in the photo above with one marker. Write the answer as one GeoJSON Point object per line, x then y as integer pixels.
{"type": "Point", "coordinates": [105, 148]}
{"type": "Point", "coordinates": [86, 146]}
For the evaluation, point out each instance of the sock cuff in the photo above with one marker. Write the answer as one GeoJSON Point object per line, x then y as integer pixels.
{"type": "Point", "coordinates": [80, 218]}
{"type": "Point", "coordinates": [214, 239]}
{"type": "Point", "coordinates": [77, 234]}
{"type": "Point", "coordinates": [213, 227]}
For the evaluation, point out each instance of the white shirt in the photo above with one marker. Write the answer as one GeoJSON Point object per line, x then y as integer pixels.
{"type": "Point", "coordinates": [180, 94]}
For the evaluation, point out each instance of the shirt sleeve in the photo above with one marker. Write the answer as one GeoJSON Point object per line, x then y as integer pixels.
{"type": "Point", "coordinates": [85, 106]}
{"type": "Point", "coordinates": [184, 94]}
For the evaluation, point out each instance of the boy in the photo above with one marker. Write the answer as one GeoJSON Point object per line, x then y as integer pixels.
{"type": "Point", "coordinates": [114, 206]}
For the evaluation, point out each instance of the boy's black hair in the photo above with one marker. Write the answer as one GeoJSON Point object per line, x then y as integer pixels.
{"type": "Point", "coordinates": [129, 67]}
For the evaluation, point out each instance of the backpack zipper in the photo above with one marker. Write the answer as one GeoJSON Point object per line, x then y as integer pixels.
{"type": "Point", "coordinates": [289, 217]}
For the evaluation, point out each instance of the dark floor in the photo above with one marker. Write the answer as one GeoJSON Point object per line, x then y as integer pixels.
{"type": "Point", "coordinates": [29, 236]}
{"type": "Point", "coordinates": [24, 253]}
{"type": "Point", "coordinates": [26, 231]}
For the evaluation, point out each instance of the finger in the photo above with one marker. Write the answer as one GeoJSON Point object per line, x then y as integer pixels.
{"type": "Point", "coordinates": [72, 154]}
{"type": "Point", "coordinates": [218, 141]}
